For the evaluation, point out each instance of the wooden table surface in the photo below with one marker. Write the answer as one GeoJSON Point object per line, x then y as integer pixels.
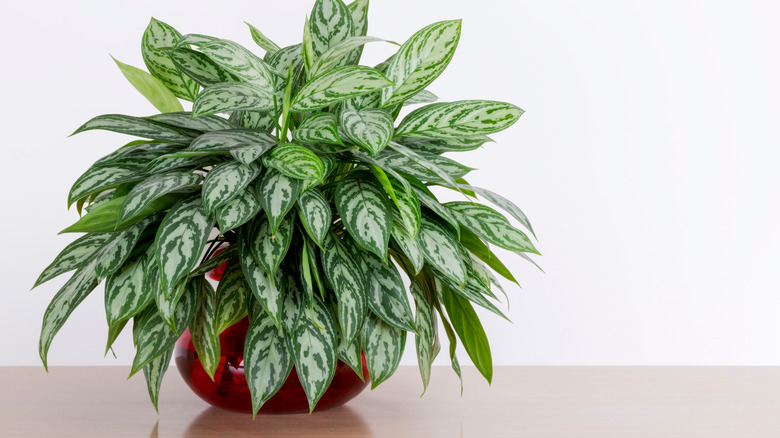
{"type": "Point", "coordinates": [523, 402]}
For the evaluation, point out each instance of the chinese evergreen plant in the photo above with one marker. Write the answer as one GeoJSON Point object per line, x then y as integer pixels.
{"type": "Point", "coordinates": [317, 195]}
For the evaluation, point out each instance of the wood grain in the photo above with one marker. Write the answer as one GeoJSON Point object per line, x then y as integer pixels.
{"type": "Point", "coordinates": [523, 402]}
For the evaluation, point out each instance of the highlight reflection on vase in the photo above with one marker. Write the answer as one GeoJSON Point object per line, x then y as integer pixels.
{"type": "Point", "coordinates": [229, 389]}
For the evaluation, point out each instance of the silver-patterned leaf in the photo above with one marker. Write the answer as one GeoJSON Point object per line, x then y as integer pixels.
{"type": "Point", "coordinates": [125, 294]}
{"type": "Point", "coordinates": [427, 199]}
{"type": "Point", "coordinates": [473, 291]}
{"type": "Point", "coordinates": [330, 23]}
{"type": "Point", "coordinates": [225, 182]}
{"type": "Point", "coordinates": [166, 306]}
{"type": "Point", "coordinates": [67, 298]}
{"type": "Point", "coordinates": [75, 255]}
{"type": "Point", "coordinates": [315, 213]}
{"type": "Point", "coordinates": [318, 128]}
{"type": "Point", "coordinates": [136, 126]}
{"type": "Point", "coordinates": [231, 297]}
{"type": "Point", "coordinates": [294, 301]}
{"type": "Point", "coordinates": [371, 129]}
{"type": "Point", "coordinates": [154, 372]}
{"type": "Point", "coordinates": [314, 350]}
{"type": "Point", "coordinates": [200, 67]}
{"type": "Point", "coordinates": [503, 203]}
{"type": "Point", "coordinates": [338, 85]}
{"type": "Point", "coordinates": [99, 178]}
{"type": "Point", "coordinates": [277, 194]}
{"type": "Point", "coordinates": [286, 58]}
{"type": "Point", "coordinates": [365, 211]}
{"type": "Point", "coordinates": [408, 206]}
{"type": "Point", "coordinates": [185, 120]}
{"type": "Point", "coordinates": [295, 161]}
{"type": "Point", "coordinates": [203, 329]}
{"type": "Point", "coordinates": [383, 345]}
{"type": "Point", "coordinates": [409, 247]}
{"type": "Point", "coordinates": [440, 146]}
{"type": "Point", "coordinates": [491, 226]}
{"type": "Point", "coordinates": [423, 96]}
{"type": "Point", "coordinates": [464, 118]}
{"type": "Point", "coordinates": [351, 354]}
{"type": "Point", "coordinates": [158, 36]}
{"type": "Point", "coordinates": [420, 60]}
{"type": "Point", "coordinates": [336, 54]}
{"type": "Point", "coordinates": [423, 166]}
{"type": "Point", "coordinates": [385, 292]}
{"type": "Point", "coordinates": [153, 188]}
{"type": "Point", "coordinates": [359, 11]}
{"type": "Point", "coordinates": [240, 62]}
{"type": "Point", "coordinates": [153, 336]}
{"type": "Point", "coordinates": [270, 294]}
{"type": "Point", "coordinates": [349, 283]}
{"type": "Point", "coordinates": [267, 363]}
{"type": "Point", "coordinates": [441, 249]}
{"type": "Point", "coordinates": [238, 211]}
{"type": "Point", "coordinates": [425, 338]}
{"type": "Point", "coordinates": [231, 96]}
{"type": "Point", "coordinates": [257, 120]}
{"type": "Point", "coordinates": [165, 163]}
{"type": "Point", "coordinates": [180, 240]}
{"type": "Point", "coordinates": [245, 145]}
{"type": "Point", "coordinates": [263, 41]}
{"type": "Point", "coordinates": [269, 248]}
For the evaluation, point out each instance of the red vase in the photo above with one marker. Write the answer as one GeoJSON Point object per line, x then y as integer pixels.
{"type": "Point", "coordinates": [229, 389]}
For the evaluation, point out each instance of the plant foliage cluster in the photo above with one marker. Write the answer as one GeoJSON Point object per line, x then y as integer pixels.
{"type": "Point", "coordinates": [319, 198]}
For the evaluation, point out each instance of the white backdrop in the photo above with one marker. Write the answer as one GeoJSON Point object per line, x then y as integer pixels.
{"type": "Point", "coordinates": [647, 161]}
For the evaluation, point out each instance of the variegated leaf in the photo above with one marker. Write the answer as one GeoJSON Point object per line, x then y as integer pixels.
{"type": "Point", "coordinates": [503, 203]}
{"type": "Point", "coordinates": [423, 96]}
{"type": "Point", "coordinates": [315, 213]}
{"type": "Point", "coordinates": [465, 118]}
{"type": "Point", "coordinates": [314, 350]}
{"type": "Point", "coordinates": [125, 294]}
{"type": "Point", "coordinates": [269, 248]}
{"type": "Point", "coordinates": [370, 129]}
{"type": "Point", "coordinates": [238, 211]}
{"type": "Point", "coordinates": [386, 294]}
{"type": "Point", "coordinates": [420, 60]}
{"type": "Point", "coordinates": [150, 87]}
{"type": "Point", "coordinates": [336, 86]}
{"type": "Point", "coordinates": [154, 337]}
{"type": "Point", "coordinates": [440, 146]}
{"type": "Point", "coordinates": [267, 363]}
{"type": "Point", "coordinates": [231, 96]}
{"type": "Point", "coordinates": [349, 283]}
{"type": "Point", "coordinates": [383, 345]}
{"type": "Point", "coordinates": [231, 297]}
{"type": "Point", "coordinates": [159, 36]}
{"type": "Point", "coordinates": [165, 164]}
{"type": "Point", "coordinates": [441, 250]}
{"type": "Point", "coordinates": [365, 211]}
{"type": "Point", "coordinates": [185, 120]}
{"type": "Point", "coordinates": [426, 167]}
{"type": "Point", "coordinates": [245, 145]}
{"type": "Point", "coordinates": [427, 199]}
{"type": "Point", "coordinates": [240, 62]}
{"type": "Point", "coordinates": [270, 294]}
{"type": "Point", "coordinates": [115, 252]}
{"type": "Point", "coordinates": [153, 188]}
{"type": "Point", "coordinates": [286, 58]}
{"type": "Point", "coordinates": [257, 120]}
{"type": "Point", "coordinates": [203, 329]}
{"type": "Point", "coordinates": [359, 11]}
{"type": "Point", "coordinates": [473, 291]}
{"type": "Point", "coordinates": [350, 354]}
{"type": "Point", "coordinates": [425, 339]}
{"type": "Point", "coordinates": [491, 226]}
{"type": "Point", "coordinates": [330, 24]}
{"type": "Point", "coordinates": [408, 206]}
{"type": "Point", "coordinates": [466, 324]}
{"type": "Point", "coordinates": [136, 126]}
{"type": "Point", "coordinates": [409, 247]}
{"type": "Point", "coordinates": [329, 163]}
{"type": "Point", "coordinates": [219, 258]}
{"type": "Point", "coordinates": [200, 67]}
{"type": "Point", "coordinates": [318, 128]}
{"type": "Point", "coordinates": [166, 306]}
{"type": "Point", "coordinates": [67, 298]}
{"type": "Point", "coordinates": [154, 372]}
{"type": "Point", "coordinates": [78, 253]}
{"type": "Point", "coordinates": [277, 194]}
{"type": "Point", "coordinates": [180, 240]}
{"type": "Point", "coordinates": [225, 182]}
{"type": "Point", "coordinates": [293, 303]}
{"type": "Point", "coordinates": [295, 161]}
{"type": "Point", "coordinates": [97, 179]}
{"type": "Point", "coordinates": [335, 55]}
{"type": "Point", "coordinates": [263, 41]}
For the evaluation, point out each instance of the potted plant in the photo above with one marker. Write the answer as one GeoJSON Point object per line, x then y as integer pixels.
{"type": "Point", "coordinates": [315, 200]}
